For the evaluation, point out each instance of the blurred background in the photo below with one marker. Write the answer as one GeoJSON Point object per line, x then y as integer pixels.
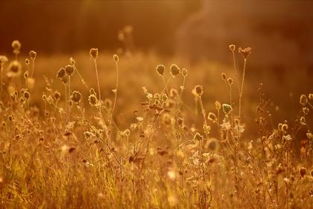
{"type": "Point", "coordinates": [187, 32]}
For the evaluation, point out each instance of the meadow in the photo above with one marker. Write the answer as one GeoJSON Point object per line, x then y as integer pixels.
{"type": "Point", "coordinates": [138, 130]}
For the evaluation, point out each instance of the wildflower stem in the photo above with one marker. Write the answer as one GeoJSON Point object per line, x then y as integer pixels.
{"type": "Point", "coordinates": [1, 69]}
{"type": "Point", "coordinates": [33, 68]}
{"type": "Point", "coordinates": [242, 85]}
{"type": "Point", "coordinates": [202, 110]}
{"type": "Point", "coordinates": [116, 87]}
{"type": "Point", "coordinates": [97, 75]}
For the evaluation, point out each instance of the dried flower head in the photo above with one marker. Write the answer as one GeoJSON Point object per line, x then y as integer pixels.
{"type": "Point", "coordinates": [61, 73]}
{"type": "Point", "coordinates": [69, 69]}
{"type": "Point", "coordinates": [184, 72]}
{"type": "Point", "coordinates": [26, 74]}
{"type": "Point", "coordinates": [212, 117]}
{"type": "Point", "coordinates": [76, 97]}
{"type": "Point", "coordinates": [223, 75]}
{"type": "Point", "coordinates": [14, 69]}
{"type": "Point", "coordinates": [3, 59]}
{"type": "Point", "coordinates": [232, 47]}
{"type": "Point", "coordinates": [245, 52]}
{"type": "Point", "coordinates": [57, 96]}
{"type": "Point", "coordinates": [94, 53]}
{"type": "Point", "coordinates": [160, 69]}
{"type": "Point", "coordinates": [32, 54]}
{"type": "Point", "coordinates": [230, 81]}
{"type": "Point", "coordinates": [16, 45]}
{"type": "Point", "coordinates": [174, 70]}
{"type": "Point", "coordinates": [227, 108]}
{"type": "Point", "coordinates": [218, 105]}
{"type": "Point", "coordinates": [116, 58]}
{"type": "Point", "coordinates": [303, 100]}
{"type": "Point", "coordinates": [92, 99]}
{"type": "Point", "coordinates": [198, 90]}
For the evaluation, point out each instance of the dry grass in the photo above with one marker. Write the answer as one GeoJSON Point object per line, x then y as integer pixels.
{"type": "Point", "coordinates": [170, 144]}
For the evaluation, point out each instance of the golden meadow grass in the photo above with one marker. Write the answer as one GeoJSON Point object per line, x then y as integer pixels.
{"type": "Point", "coordinates": [130, 131]}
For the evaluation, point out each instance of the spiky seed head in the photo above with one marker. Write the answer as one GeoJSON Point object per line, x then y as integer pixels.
{"type": "Point", "coordinates": [305, 110]}
{"type": "Point", "coordinates": [227, 108]}
{"type": "Point", "coordinates": [173, 93]}
{"type": "Point", "coordinates": [3, 59]}
{"type": "Point", "coordinates": [184, 72]}
{"type": "Point", "coordinates": [61, 73]}
{"type": "Point", "coordinates": [14, 69]}
{"type": "Point", "coordinates": [116, 58]}
{"type": "Point", "coordinates": [212, 117]}
{"type": "Point", "coordinates": [223, 76]}
{"type": "Point", "coordinates": [92, 99]}
{"type": "Point", "coordinates": [76, 97]}
{"type": "Point", "coordinates": [174, 70]}
{"type": "Point", "coordinates": [16, 45]}
{"type": "Point", "coordinates": [32, 54]}
{"type": "Point", "coordinates": [26, 74]}
{"type": "Point", "coordinates": [245, 52]}
{"type": "Point", "coordinates": [230, 81]}
{"type": "Point", "coordinates": [92, 91]}
{"type": "Point", "coordinates": [232, 47]}
{"type": "Point", "coordinates": [69, 69]}
{"type": "Point", "coordinates": [198, 90]}
{"type": "Point", "coordinates": [72, 61]}
{"type": "Point", "coordinates": [303, 100]}
{"type": "Point", "coordinates": [94, 53]}
{"type": "Point", "coordinates": [160, 69]}
{"type": "Point", "coordinates": [218, 105]}
{"type": "Point", "coordinates": [57, 96]}
{"type": "Point", "coordinates": [27, 62]}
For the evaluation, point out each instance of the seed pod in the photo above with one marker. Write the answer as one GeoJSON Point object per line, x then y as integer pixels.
{"type": "Point", "coordinates": [174, 70]}
{"type": "Point", "coordinates": [94, 53]}
{"type": "Point", "coordinates": [232, 47]}
{"type": "Point", "coordinates": [160, 69]}
{"type": "Point", "coordinates": [32, 54]}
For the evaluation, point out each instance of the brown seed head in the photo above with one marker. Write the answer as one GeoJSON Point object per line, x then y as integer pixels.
{"type": "Point", "coordinates": [32, 54]}
{"type": "Point", "coordinates": [76, 97]}
{"type": "Point", "coordinates": [160, 69]}
{"type": "Point", "coordinates": [14, 69]}
{"type": "Point", "coordinates": [61, 73]}
{"type": "Point", "coordinates": [245, 52]}
{"type": "Point", "coordinates": [232, 47]}
{"type": "Point", "coordinates": [69, 69]}
{"type": "Point", "coordinates": [198, 90]}
{"type": "Point", "coordinates": [116, 58]}
{"type": "Point", "coordinates": [94, 53]}
{"type": "Point", "coordinates": [174, 70]}
{"type": "Point", "coordinates": [16, 45]}
{"type": "Point", "coordinates": [303, 100]}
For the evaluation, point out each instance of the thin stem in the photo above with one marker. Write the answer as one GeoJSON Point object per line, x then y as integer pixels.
{"type": "Point", "coordinates": [242, 85]}
{"type": "Point", "coordinates": [97, 75]}
{"type": "Point", "coordinates": [202, 110]}
{"type": "Point", "coordinates": [230, 95]}
{"type": "Point", "coordinates": [116, 87]}
{"type": "Point", "coordinates": [235, 68]}
{"type": "Point", "coordinates": [1, 80]}
{"type": "Point", "coordinates": [33, 68]}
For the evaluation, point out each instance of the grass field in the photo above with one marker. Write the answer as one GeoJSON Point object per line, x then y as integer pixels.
{"type": "Point", "coordinates": [138, 131]}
